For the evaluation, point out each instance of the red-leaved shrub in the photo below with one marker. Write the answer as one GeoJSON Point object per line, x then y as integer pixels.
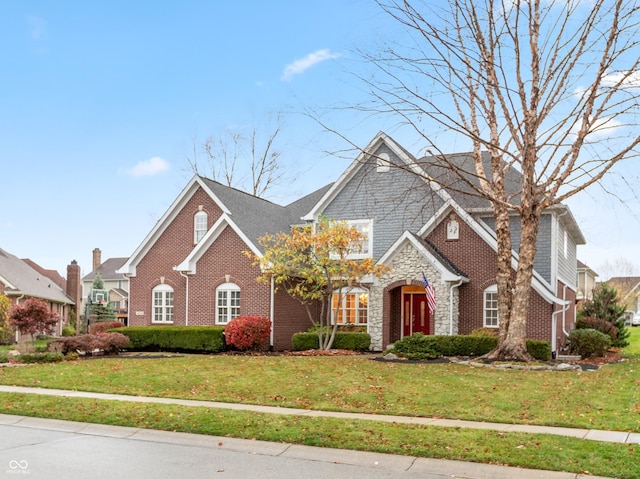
{"type": "Point", "coordinates": [248, 332]}
{"type": "Point", "coordinates": [107, 343]}
{"type": "Point", "coordinates": [103, 326]}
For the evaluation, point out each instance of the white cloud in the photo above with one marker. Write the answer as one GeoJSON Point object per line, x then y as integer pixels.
{"type": "Point", "coordinates": [302, 64]}
{"type": "Point", "coordinates": [628, 79]}
{"type": "Point", "coordinates": [602, 127]}
{"type": "Point", "coordinates": [150, 167]}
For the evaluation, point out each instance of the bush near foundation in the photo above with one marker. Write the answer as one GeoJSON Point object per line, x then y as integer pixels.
{"type": "Point", "coordinates": [248, 333]}
{"type": "Point", "coordinates": [104, 326]}
{"type": "Point", "coordinates": [343, 340]}
{"type": "Point", "coordinates": [199, 339]}
{"type": "Point", "coordinates": [588, 342]}
{"type": "Point", "coordinates": [599, 324]}
{"type": "Point", "coordinates": [460, 345]}
{"type": "Point", "coordinates": [107, 343]}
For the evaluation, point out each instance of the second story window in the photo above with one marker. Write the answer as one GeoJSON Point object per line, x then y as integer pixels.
{"type": "Point", "coordinates": [363, 248]}
{"type": "Point", "coordinates": [199, 226]}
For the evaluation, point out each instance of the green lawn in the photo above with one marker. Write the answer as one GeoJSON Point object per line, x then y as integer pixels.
{"type": "Point", "coordinates": [605, 399]}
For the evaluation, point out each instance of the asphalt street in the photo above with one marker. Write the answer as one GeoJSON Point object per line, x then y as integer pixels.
{"type": "Point", "coordinates": [43, 448]}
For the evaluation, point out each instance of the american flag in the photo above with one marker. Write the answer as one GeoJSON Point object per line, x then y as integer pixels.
{"type": "Point", "coordinates": [431, 295]}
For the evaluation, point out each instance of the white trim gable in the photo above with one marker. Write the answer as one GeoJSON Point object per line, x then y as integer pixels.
{"type": "Point", "coordinates": [488, 236]}
{"type": "Point", "coordinates": [408, 238]}
{"type": "Point", "coordinates": [188, 265]}
{"type": "Point", "coordinates": [129, 268]}
{"type": "Point", "coordinates": [380, 139]}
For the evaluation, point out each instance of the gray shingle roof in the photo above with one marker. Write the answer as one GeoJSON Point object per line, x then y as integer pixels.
{"type": "Point", "coordinates": [257, 216]}
{"type": "Point", "coordinates": [22, 279]}
{"type": "Point", "coordinates": [108, 270]}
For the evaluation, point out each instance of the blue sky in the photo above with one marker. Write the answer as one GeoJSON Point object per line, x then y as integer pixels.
{"type": "Point", "coordinates": [102, 103]}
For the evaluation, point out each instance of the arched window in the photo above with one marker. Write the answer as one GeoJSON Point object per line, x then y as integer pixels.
{"type": "Point", "coordinates": [350, 306]}
{"type": "Point", "coordinates": [162, 304]}
{"type": "Point", "coordinates": [199, 226]}
{"type": "Point", "coordinates": [490, 307]}
{"type": "Point", "coordinates": [227, 302]}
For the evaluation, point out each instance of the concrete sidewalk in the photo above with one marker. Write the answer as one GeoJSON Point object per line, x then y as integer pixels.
{"type": "Point", "coordinates": [434, 467]}
{"type": "Point", "coordinates": [590, 434]}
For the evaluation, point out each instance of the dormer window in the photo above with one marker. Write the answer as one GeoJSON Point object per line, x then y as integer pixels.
{"type": "Point", "coordinates": [199, 226]}
{"type": "Point", "coordinates": [383, 163]}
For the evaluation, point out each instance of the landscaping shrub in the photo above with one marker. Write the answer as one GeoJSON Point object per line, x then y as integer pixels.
{"type": "Point", "coordinates": [104, 326]}
{"type": "Point", "coordinates": [108, 343]}
{"type": "Point", "coordinates": [416, 347]}
{"type": "Point", "coordinates": [588, 342]}
{"type": "Point", "coordinates": [68, 330]}
{"type": "Point", "coordinates": [351, 341]}
{"type": "Point", "coordinates": [248, 333]}
{"type": "Point", "coordinates": [602, 325]}
{"type": "Point", "coordinates": [462, 345]}
{"type": "Point", "coordinates": [39, 358]}
{"type": "Point", "coordinates": [208, 339]}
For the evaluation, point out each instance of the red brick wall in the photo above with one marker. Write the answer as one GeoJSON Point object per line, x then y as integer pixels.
{"type": "Point", "coordinates": [290, 317]}
{"type": "Point", "coordinates": [478, 260]}
{"type": "Point", "coordinates": [170, 249]}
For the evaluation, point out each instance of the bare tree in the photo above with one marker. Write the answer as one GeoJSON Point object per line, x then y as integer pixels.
{"type": "Point", "coordinates": [243, 159]}
{"type": "Point", "coordinates": [547, 88]}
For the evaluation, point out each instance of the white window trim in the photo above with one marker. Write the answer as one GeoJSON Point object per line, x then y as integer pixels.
{"type": "Point", "coordinates": [493, 289]}
{"type": "Point", "coordinates": [227, 288]}
{"type": "Point", "coordinates": [344, 292]}
{"type": "Point", "coordinates": [369, 253]}
{"type": "Point", "coordinates": [198, 231]}
{"type": "Point", "coordinates": [163, 289]}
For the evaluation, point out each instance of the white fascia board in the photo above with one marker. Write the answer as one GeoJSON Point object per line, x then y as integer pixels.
{"type": "Point", "coordinates": [8, 284]}
{"type": "Point", "coordinates": [407, 237]}
{"type": "Point", "coordinates": [188, 265]}
{"type": "Point", "coordinates": [129, 268]}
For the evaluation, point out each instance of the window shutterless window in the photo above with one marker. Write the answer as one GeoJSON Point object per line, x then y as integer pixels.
{"type": "Point", "coordinates": [227, 302]}
{"type": "Point", "coordinates": [490, 309]}
{"type": "Point", "coordinates": [162, 304]}
{"type": "Point", "coordinates": [199, 226]}
{"type": "Point", "coordinates": [350, 307]}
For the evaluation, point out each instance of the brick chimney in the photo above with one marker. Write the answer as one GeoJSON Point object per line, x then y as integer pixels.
{"type": "Point", "coordinates": [97, 258]}
{"type": "Point", "coordinates": [74, 286]}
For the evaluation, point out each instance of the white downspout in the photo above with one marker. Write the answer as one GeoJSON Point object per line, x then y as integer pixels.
{"type": "Point", "coordinates": [271, 311]}
{"type": "Point", "coordinates": [565, 308]}
{"type": "Point", "coordinates": [451, 306]}
{"type": "Point", "coordinates": [186, 307]}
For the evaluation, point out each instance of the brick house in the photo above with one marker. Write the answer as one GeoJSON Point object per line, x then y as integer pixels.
{"type": "Point", "coordinates": [21, 279]}
{"type": "Point", "coordinates": [191, 269]}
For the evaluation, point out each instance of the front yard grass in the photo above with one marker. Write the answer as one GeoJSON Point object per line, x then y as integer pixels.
{"type": "Point", "coordinates": [608, 398]}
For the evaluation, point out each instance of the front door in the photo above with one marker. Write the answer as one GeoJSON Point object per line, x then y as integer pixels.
{"type": "Point", "coordinates": [416, 314]}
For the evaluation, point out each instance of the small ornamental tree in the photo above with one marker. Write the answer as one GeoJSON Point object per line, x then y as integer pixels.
{"type": "Point", "coordinates": [606, 306]}
{"type": "Point", "coordinates": [5, 327]}
{"type": "Point", "coordinates": [311, 263]}
{"type": "Point", "coordinates": [248, 332]}
{"type": "Point", "coordinates": [33, 317]}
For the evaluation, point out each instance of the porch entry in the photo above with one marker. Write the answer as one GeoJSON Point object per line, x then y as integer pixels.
{"type": "Point", "coordinates": [415, 311]}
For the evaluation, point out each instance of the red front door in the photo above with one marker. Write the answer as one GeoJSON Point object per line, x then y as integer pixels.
{"type": "Point", "coordinates": [416, 314]}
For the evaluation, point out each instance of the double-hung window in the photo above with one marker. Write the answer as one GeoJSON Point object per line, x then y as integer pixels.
{"type": "Point", "coordinates": [490, 307]}
{"type": "Point", "coordinates": [227, 302]}
{"type": "Point", "coordinates": [199, 226]}
{"type": "Point", "coordinates": [162, 304]}
{"type": "Point", "coordinates": [363, 247]}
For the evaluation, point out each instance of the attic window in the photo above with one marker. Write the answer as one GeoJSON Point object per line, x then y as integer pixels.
{"type": "Point", "coordinates": [199, 226]}
{"type": "Point", "coordinates": [383, 163]}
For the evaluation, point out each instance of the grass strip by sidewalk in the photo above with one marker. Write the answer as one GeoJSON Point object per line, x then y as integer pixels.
{"type": "Point", "coordinates": [534, 451]}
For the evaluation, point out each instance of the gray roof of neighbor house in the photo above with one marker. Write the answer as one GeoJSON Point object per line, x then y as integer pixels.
{"type": "Point", "coordinates": [108, 270]}
{"type": "Point", "coordinates": [21, 279]}
{"type": "Point", "coordinates": [257, 216]}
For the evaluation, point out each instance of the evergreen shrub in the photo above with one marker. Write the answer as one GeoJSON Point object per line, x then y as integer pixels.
{"type": "Point", "coordinates": [204, 339]}
{"type": "Point", "coordinates": [588, 342]}
{"type": "Point", "coordinates": [343, 340]}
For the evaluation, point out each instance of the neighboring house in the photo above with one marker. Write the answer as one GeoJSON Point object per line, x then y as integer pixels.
{"type": "Point", "coordinates": [191, 269]}
{"type": "Point", "coordinates": [586, 284]}
{"type": "Point", "coordinates": [628, 289]}
{"type": "Point", "coordinates": [116, 284]}
{"type": "Point", "coordinates": [19, 280]}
